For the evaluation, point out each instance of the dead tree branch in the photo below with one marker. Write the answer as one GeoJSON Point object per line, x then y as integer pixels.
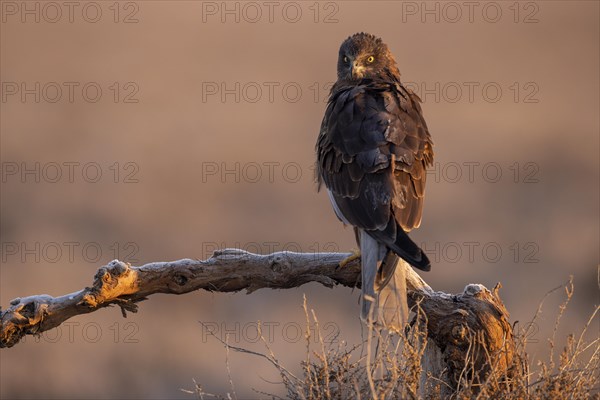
{"type": "Point", "coordinates": [453, 321]}
{"type": "Point", "coordinates": [121, 284]}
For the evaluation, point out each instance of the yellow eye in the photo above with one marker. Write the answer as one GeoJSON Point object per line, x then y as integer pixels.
{"type": "Point", "coordinates": [370, 59]}
{"type": "Point", "coordinates": [345, 59]}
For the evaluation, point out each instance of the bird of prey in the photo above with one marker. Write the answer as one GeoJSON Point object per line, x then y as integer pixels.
{"type": "Point", "coordinates": [372, 153]}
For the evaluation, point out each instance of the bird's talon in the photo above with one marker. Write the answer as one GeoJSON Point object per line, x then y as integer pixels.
{"type": "Point", "coordinates": [355, 256]}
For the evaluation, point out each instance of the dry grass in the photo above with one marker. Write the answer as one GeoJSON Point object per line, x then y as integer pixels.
{"type": "Point", "coordinates": [392, 367]}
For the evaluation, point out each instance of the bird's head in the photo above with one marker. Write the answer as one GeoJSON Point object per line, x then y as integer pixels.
{"type": "Point", "coordinates": [365, 56]}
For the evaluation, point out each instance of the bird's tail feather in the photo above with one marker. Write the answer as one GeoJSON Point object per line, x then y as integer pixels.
{"type": "Point", "coordinates": [386, 270]}
{"type": "Point", "coordinates": [384, 301]}
{"type": "Point", "coordinates": [369, 254]}
{"type": "Point", "coordinates": [403, 246]}
{"type": "Point", "coordinates": [392, 306]}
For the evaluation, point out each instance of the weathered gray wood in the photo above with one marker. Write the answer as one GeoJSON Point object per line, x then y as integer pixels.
{"type": "Point", "coordinates": [468, 327]}
{"type": "Point", "coordinates": [121, 284]}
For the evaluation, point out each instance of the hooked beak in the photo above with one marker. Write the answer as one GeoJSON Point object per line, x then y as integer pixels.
{"type": "Point", "coordinates": [357, 70]}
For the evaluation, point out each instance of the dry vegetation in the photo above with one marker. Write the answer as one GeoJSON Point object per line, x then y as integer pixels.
{"type": "Point", "coordinates": [390, 367]}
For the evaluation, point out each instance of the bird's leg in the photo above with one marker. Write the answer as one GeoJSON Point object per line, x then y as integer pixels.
{"type": "Point", "coordinates": [354, 256]}
{"type": "Point", "coordinates": [355, 252]}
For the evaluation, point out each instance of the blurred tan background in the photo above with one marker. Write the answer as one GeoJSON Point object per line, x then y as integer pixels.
{"type": "Point", "coordinates": [174, 160]}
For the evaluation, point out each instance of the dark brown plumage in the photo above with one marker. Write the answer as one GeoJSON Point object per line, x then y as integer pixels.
{"type": "Point", "coordinates": [372, 154]}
